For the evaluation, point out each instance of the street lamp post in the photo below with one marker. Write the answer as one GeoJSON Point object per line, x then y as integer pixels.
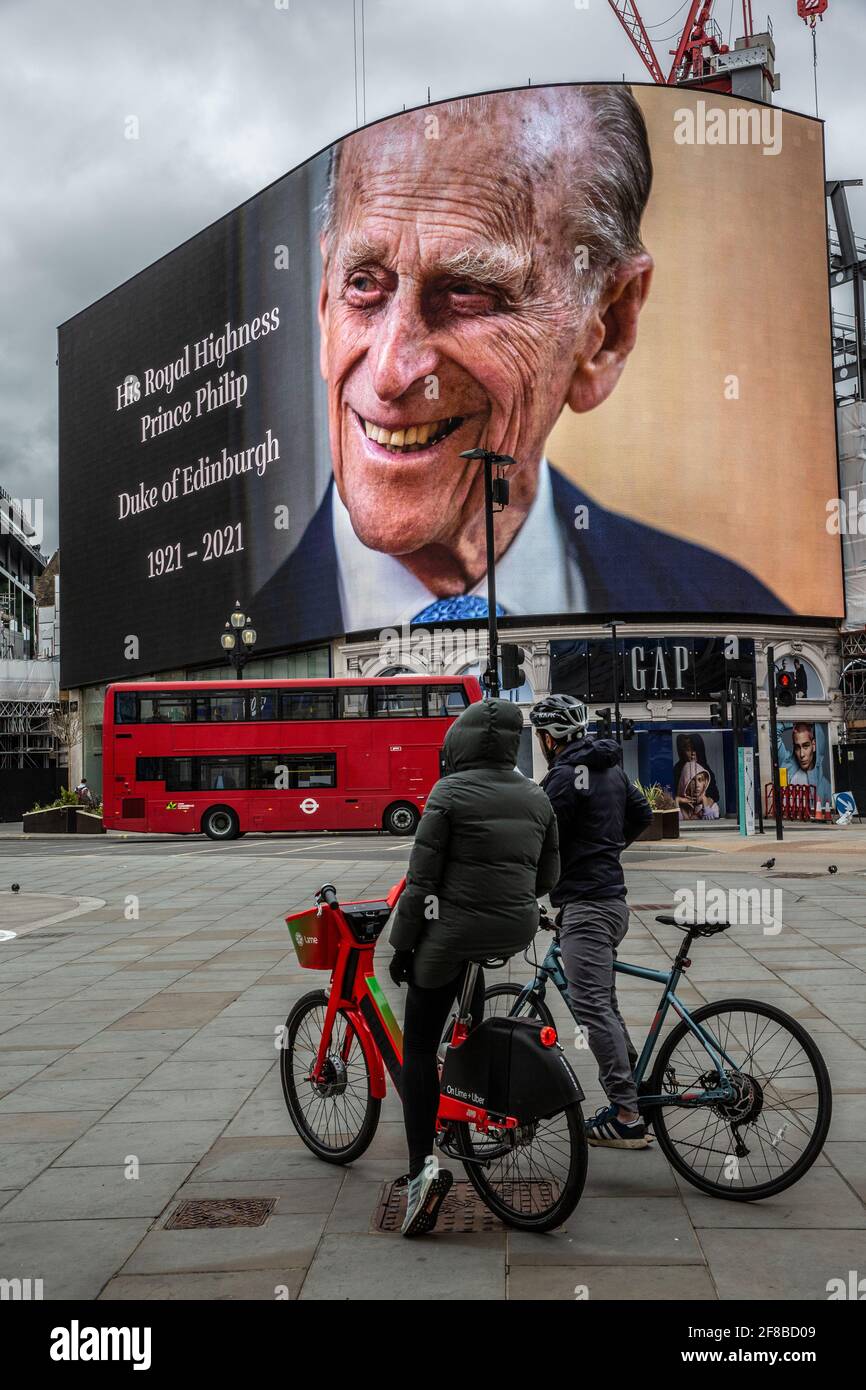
{"type": "Point", "coordinates": [495, 492]}
{"type": "Point", "coordinates": [617, 668]}
{"type": "Point", "coordinates": [238, 640]}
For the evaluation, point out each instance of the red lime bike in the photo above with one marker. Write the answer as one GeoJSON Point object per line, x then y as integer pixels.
{"type": "Point", "coordinates": [510, 1104]}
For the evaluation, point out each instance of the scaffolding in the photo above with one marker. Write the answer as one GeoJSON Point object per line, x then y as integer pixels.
{"type": "Point", "coordinates": [29, 704]}
{"type": "Point", "coordinates": [853, 684]}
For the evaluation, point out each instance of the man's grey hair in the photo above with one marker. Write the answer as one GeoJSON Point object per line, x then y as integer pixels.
{"type": "Point", "coordinates": [605, 196]}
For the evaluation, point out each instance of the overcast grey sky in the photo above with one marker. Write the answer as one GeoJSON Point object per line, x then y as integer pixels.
{"type": "Point", "coordinates": [230, 94]}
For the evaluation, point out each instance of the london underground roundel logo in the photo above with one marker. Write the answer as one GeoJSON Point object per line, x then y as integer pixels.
{"type": "Point", "coordinates": [308, 806]}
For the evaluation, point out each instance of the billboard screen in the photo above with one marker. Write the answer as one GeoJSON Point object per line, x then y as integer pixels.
{"type": "Point", "coordinates": [625, 290]}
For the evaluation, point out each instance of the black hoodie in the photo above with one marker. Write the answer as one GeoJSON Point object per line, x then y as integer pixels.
{"type": "Point", "coordinates": [599, 811]}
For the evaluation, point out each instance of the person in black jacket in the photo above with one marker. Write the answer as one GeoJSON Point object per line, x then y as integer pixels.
{"type": "Point", "coordinates": [484, 852]}
{"type": "Point", "coordinates": [599, 811]}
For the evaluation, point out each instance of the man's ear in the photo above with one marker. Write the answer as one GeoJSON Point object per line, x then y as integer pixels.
{"type": "Point", "coordinates": [323, 312]}
{"type": "Point", "coordinates": [610, 335]}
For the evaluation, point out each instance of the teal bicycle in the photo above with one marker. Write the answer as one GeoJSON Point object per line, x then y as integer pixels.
{"type": "Point", "coordinates": [738, 1097]}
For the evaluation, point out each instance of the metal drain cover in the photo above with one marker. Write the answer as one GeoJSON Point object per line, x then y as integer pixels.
{"type": "Point", "coordinates": [462, 1211]}
{"type": "Point", "coordinates": [207, 1213]}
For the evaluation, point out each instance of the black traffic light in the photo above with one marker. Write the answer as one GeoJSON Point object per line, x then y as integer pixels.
{"type": "Point", "coordinates": [719, 709]}
{"type": "Point", "coordinates": [603, 723]}
{"type": "Point", "coordinates": [513, 674]}
{"type": "Point", "coordinates": [627, 729]}
{"type": "Point", "coordinates": [786, 691]}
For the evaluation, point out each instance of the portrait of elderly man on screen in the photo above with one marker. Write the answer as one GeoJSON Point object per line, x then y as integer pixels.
{"type": "Point", "coordinates": [474, 285]}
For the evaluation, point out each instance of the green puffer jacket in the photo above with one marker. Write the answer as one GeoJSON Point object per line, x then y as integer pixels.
{"type": "Point", "coordinates": [486, 849]}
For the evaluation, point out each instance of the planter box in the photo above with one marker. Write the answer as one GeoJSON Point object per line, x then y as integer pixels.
{"type": "Point", "coordinates": [57, 820]}
{"type": "Point", "coordinates": [665, 825]}
{"type": "Point", "coordinates": [88, 823]}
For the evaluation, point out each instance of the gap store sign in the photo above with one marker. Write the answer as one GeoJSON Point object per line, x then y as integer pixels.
{"type": "Point", "coordinates": [650, 668]}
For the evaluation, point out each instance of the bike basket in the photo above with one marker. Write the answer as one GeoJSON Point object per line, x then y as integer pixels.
{"type": "Point", "coordinates": [315, 937]}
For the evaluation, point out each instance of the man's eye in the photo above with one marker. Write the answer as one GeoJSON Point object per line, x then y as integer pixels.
{"type": "Point", "coordinates": [474, 297]}
{"type": "Point", "coordinates": [363, 283]}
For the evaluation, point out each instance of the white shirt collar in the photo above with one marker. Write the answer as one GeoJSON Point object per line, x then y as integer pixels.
{"type": "Point", "coordinates": [537, 573]}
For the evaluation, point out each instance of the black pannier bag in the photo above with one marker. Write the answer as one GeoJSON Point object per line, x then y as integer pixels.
{"type": "Point", "coordinates": [503, 1066]}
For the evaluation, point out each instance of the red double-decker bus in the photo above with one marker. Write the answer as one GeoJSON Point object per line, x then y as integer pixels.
{"type": "Point", "coordinates": [225, 757]}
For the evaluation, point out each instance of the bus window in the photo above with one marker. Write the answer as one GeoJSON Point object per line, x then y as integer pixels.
{"type": "Point", "coordinates": [398, 701]}
{"type": "Point", "coordinates": [263, 704]}
{"type": "Point", "coordinates": [148, 769]}
{"type": "Point", "coordinates": [307, 704]}
{"type": "Point", "coordinates": [125, 707]}
{"type": "Point", "coordinates": [164, 709]}
{"type": "Point", "coordinates": [222, 774]}
{"type": "Point", "coordinates": [178, 774]}
{"type": "Point", "coordinates": [445, 701]}
{"type": "Point", "coordinates": [293, 771]}
{"type": "Point", "coordinates": [354, 702]}
{"type": "Point", "coordinates": [313, 770]}
{"type": "Point", "coordinates": [219, 708]}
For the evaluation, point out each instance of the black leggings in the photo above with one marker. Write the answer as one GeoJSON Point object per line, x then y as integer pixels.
{"type": "Point", "coordinates": [426, 1015]}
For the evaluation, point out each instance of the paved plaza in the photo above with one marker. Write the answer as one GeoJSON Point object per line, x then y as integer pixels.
{"type": "Point", "coordinates": [140, 1006]}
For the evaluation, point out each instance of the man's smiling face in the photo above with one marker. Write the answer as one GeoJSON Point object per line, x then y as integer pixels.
{"type": "Point", "coordinates": [448, 322]}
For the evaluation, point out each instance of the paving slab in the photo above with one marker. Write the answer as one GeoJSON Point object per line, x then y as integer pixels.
{"type": "Point", "coordinates": [283, 1242]}
{"type": "Point", "coordinates": [69, 1194]}
{"type": "Point", "coordinates": [164, 1141]}
{"type": "Point", "coordinates": [614, 1231]}
{"type": "Point", "coordinates": [441, 1268]}
{"type": "Point", "coordinates": [615, 1283]}
{"type": "Point", "coordinates": [74, 1259]}
{"type": "Point", "coordinates": [789, 1265]}
{"type": "Point", "coordinates": [152, 1106]}
{"type": "Point", "coordinates": [259, 1284]}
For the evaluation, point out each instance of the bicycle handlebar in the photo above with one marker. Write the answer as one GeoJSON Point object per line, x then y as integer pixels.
{"type": "Point", "coordinates": [327, 894]}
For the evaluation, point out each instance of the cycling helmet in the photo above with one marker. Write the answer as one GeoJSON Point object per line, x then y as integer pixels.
{"type": "Point", "coordinates": [564, 717]}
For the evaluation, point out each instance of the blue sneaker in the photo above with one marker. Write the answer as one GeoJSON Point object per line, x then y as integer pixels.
{"type": "Point", "coordinates": [426, 1194]}
{"type": "Point", "coordinates": [605, 1131]}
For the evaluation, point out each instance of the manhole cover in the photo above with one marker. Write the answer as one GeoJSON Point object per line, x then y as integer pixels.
{"type": "Point", "coordinates": [462, 1211]}
{"type": "Point", "coordinates": [210, 1212]}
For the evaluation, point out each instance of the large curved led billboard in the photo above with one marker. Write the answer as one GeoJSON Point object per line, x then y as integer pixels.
{"type": "Point", "coordinates": [623, 289]}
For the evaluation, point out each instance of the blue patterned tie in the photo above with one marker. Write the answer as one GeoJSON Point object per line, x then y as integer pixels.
{"type": "Point", "coordinates": [451, 610]}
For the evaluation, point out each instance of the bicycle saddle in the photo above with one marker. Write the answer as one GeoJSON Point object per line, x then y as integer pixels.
{"type": "Point", "coordinates": [667, 919]}
{"type": "Point", "coordinates": [491, 962]}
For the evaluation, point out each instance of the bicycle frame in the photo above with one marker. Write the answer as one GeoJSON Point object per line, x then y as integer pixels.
{"type": "Point", "coordinates": [355, 992]}
{"type": "Point", "coordinates": [551, 969]}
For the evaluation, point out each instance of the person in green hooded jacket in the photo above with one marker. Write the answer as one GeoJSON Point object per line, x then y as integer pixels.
{"type": "Point", "coordinates": [485, 850]}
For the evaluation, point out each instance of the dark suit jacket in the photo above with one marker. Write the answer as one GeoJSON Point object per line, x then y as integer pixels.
{"type": "Point", "coordinates": [626, 567]}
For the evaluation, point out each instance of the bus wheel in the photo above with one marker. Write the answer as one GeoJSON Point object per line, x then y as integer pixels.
{"type": "Point", "coordinates": [220, 823]}
{"type": "Point", "coordinates": [400, 819]}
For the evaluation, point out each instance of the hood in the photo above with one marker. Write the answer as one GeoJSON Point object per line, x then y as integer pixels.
{"type": "Point", "coordinates": [591, 752]}
{"type": "Point", "coordinates": [487, 734]}
{"type": "Point", "coordinates": [690, 771]}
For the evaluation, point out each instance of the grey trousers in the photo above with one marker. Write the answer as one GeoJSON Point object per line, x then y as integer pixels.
{"type": "Point", "coordinates": [589, 936]}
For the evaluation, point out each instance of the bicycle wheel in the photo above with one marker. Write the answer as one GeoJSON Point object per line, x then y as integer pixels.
{"type": "Point", "coordinates": [534, 1175]}
{"type": "Point", "coordinates": [780, 1114]}
{"type": "Point", "coordinates": [336, 1116]}
{"type": "Point", "coordinates": [501, 999]}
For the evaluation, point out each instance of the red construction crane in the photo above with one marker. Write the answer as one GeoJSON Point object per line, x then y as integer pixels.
{"type": "Point", "coordinates": [701, 40]}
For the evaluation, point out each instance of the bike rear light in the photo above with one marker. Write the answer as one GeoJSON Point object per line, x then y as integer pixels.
{"type": "Point", "coordinates": [547, 1036]}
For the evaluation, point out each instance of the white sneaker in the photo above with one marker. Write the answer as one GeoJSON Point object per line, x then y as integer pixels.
{"type": "Point", "coordinates": [426, 1194]}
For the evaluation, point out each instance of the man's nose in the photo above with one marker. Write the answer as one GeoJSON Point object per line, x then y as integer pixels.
{"type": "Point", "coordinates": [401, 352]}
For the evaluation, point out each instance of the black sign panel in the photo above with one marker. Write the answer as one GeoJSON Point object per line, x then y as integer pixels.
{"type": "Point", "coordinates": [650, 668]}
